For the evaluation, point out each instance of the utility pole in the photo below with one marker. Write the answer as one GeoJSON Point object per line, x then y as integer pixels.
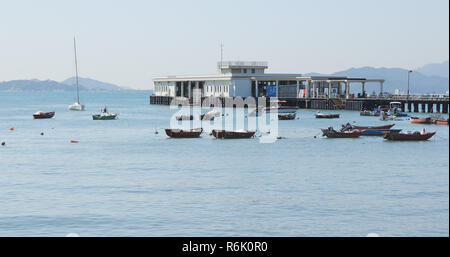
{"type": "Point", "coordinates": [407, 96]}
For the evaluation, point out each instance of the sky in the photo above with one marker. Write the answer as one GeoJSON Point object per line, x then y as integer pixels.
{"type": "Point", "coordinates": [129, 42]}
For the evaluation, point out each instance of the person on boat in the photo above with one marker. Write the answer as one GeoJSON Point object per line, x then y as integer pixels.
{"type": "Point", "coordinates": [423, 131]}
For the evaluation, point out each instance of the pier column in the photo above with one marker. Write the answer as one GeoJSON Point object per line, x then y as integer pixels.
{"type": "Point", "coordinates": [381, 87]}
{"type": "Point", "coordinates": [182, 89]}
{"type": "Point", "coordinates": [438, 107]}
{"type": "Point", "coordinates": [423, 107]}
{"type": "Point", "coordinates": [416, 107]}
{"type": "Point", "coordinates": [256, 90]}
{"type": "Point", "coordinates": [307, 88]}
{"type": "Point", "coordinates": [314, 90]}
{"type": "Point", "coordinates": [296, 95]}
{"type": "Point", "coordinates": [445, 108]}
{"type": "Point", "coordinates": [430, 107]}
{"type": "Point", "coordinates": [329, 89]}
{"type": "Point", "coordinates": [363, 93]}
{"type": "Point", "coordinates": [190, 89]}
{"type": "Point", "coordinates": [347, 90]}
{"type": "Point", "coordinates": [276, 88]}
{"type": "Point", "coordinates": [408, 106]}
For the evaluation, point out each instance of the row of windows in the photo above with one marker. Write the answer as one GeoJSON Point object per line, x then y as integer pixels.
{"type": "Point", "coordinates": [162, 88]}
{"type": "Point", "coordinates": [214, 89]}
{"type": "Point", "coordinates": [242, 70]}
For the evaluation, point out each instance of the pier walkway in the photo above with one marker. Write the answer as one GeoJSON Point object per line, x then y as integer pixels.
{"type": "Point", "coordinates": [411, 103]}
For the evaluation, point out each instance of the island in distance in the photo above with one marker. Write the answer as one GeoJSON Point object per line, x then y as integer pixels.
{"type": "Point", "coordinates": [85, 84]}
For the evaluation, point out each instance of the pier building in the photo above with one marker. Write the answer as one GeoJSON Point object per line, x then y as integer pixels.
{"type": "Point", "coordinates": [249, 79]}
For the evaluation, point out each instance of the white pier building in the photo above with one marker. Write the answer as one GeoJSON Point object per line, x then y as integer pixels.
{"type": "Point", "coordinates": [249, 79]}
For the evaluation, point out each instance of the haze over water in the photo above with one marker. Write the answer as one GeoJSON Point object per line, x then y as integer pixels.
{"type": "Point", "coordinates": [121, 179]}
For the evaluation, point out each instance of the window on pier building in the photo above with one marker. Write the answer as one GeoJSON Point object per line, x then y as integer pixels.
{"type": "Point", "coordinates": [244, 71]}
{"type": "Point", "coordinates": [253, 70]}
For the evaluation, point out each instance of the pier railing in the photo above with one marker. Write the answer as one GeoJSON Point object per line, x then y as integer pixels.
{"type": "Point", "coordinates": [428, 97]}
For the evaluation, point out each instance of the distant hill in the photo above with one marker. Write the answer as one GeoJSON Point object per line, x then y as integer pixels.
{"type": "Point", "coordinates": [396, 78]}
{"type": "Point", "coordinates": [85, 84]}
{"type": "Point", "coordinates": [94, 85]}
{"type": "Point", "coordinates": [435, 69]}
{"type": "Point", "coordinates": [35, 85]}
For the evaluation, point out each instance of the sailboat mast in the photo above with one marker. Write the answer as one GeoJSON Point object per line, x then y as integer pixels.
{"type": "Point", "coordinates": [76, 68]}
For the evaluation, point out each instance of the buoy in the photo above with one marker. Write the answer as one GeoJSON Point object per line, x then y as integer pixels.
{"type": "Point", "coordinates": [315, 136]}
{"type": "Point", "coordinates": [73, 141]}
{"type": "Point", "coordinates": [3, 143]}
{"type": "Point", "coordinates": [11, 129]}
{"type": "Point", "coordinates": [42, 133]}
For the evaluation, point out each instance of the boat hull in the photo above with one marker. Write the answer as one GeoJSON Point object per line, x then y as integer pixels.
{"type": "Point", "coordinates": [102, 117]}
{"type": "Point", "coordinates": [372, 127]}
{"type": "Point", "coordinates": [286, 116]}
{"type": "Point", "coordinates": [421, 120]}
{"type": "Point", "coordinates": [339, 134]}
{"type": "Point", "coordinates": [224, 134]}
{"type": "Point", "coordinates": [327, 116]}
{"type": "Point", "coordinates": [45, 115]}
{"type": "Point", "coordinates": [77, 107]}
{"type": "Point", "coordinates": [379, 132]}
{"type": "Point", "coordinates": [439, 121]}
{"type": "Point", "coordinates": [409, 137]}
{"type": "Point", "coordinates": [179, 133]}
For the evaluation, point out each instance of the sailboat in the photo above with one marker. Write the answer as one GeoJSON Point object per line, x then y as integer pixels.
{"type": "Point", "coordinates": [77, 106]}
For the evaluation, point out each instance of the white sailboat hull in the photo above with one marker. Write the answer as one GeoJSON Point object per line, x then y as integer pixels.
{"type": "Point", "coordinates": [77, 107]}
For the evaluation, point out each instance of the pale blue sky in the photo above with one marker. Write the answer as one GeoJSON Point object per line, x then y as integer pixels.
{"type": "Point", "coordinates": [129, 42]}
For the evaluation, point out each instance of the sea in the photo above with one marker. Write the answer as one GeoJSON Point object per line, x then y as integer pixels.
{"type": "Point", "coordinates": [124, 177]}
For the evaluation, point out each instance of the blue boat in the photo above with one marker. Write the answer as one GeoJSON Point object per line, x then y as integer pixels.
{"type": "Point", "coordinates": [379, 132]}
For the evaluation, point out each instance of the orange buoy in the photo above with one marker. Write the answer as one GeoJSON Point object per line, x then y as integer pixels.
{"type": "Point", "coordinates": [11, 129]}
{"type": "Point", "coordinates": [73, 141]}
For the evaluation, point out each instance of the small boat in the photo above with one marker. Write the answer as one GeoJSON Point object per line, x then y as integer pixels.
{"type": "Point", "coordinates": [43, 115]}
{"type": "Point", "coordinates": [369, 113]}
{"type": "Point", "coordinates": [439, 121]}
{"type": "Point", "coordinates": [287, 116]}
{"type": "Point", "coordinates": [180, 133]}
{"type": "Point", "coordinates": [331, 133]}
{"type": "Point", "coordinates": [369, 127]}
{"type": "Point", "coordinates": [371, 131]}
{"type": "Point", "coordinates": [225, 134]}
{"type": "Point", "coordinates": [418, 120]}
{"type": "Point", "coordinates": [278, 106]}
{"type": "Point", "coordinates": [395, 109]}
{"type": "Point", "coordinates": [185, 117]}
{"type": "Point", "coordinates": [77, 106]}
{"type": "Point", "coordinates": [327, 116]}
{"type": "Point", "coordinates": [105, 115]}
{"type": "Point", "coordinates": [210, 115]}
{"type": "Point", "coordinates": [415, 136]}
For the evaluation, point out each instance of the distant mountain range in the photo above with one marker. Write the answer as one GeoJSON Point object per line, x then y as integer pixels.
{"type": "Point", "coordinates": [85, 84]}
{"type": "Point", "coordinates": [422, 81]}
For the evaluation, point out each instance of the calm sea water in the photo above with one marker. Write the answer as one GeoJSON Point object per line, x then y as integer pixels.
{"type": "Point", "coordinates": [121, 179]}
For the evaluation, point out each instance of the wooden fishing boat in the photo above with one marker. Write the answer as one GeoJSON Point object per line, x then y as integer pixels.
{"type": "Point", "coordinates": [369, 127]}
{"type": "Point", "coordinates": [287, 116]}
{"type": "Point", "coordinates": [180, 133]}
{"type": "Point", "coordinates": [416, 136]}
{"type": "Point", "coordinates": [43, 115]}
{"type": "Point", "coordinates": [439, 121]}
{"type": "Point", "coordinates": [418, 120]}
{"type": "Point", "coordinates": [225, 134]}
{"type": "Point", "coordinates": [327, 116]}
{"type": "Point", "coordinates": [331, 133]}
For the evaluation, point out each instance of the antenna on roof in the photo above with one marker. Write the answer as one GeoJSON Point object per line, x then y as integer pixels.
{"type": "Point", "coordinates": [221, 54]}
